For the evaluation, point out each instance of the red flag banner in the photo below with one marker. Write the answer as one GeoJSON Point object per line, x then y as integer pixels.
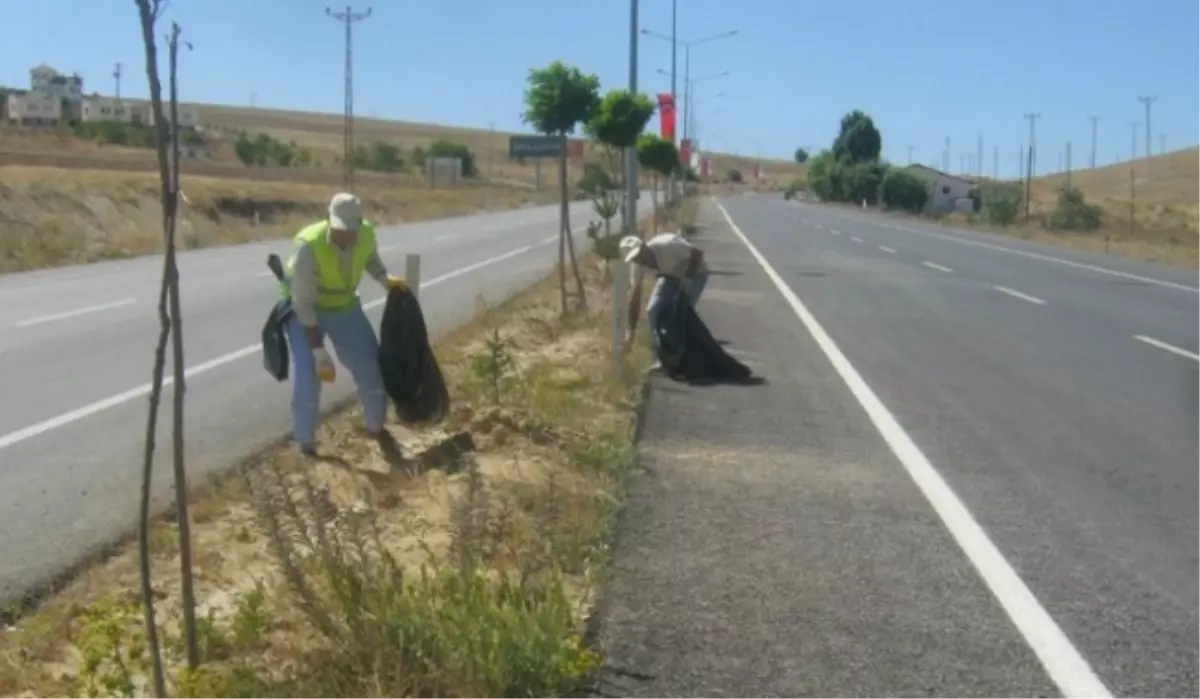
{"type": "Point", "coordinates": [685, 152]}
{"type": "Point", "coordinates": [666, 115]}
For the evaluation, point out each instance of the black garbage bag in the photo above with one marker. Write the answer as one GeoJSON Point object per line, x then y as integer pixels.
{"type": "Point", "coordinates": [274, 340]}
{"type": "Point", "coordinates": [688, 351]}
{"type": "Point", "coordinates": [411, 376]}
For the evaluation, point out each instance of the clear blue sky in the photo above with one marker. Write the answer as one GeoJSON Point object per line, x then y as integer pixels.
{"type": "Point", "coordinates": [922, 70]}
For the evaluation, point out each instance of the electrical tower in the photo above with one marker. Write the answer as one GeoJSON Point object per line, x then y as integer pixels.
{"type": "Point", "coordinates": [117, 77]}
{"type": "Point", "coordinates": [348, 18]}
{"type": "Point", "coordinates": [1095, 129]}
{"type": "Point", "coordinates": [1148, 100]}
{"type": "Point", "coordinates": [1032, 117]}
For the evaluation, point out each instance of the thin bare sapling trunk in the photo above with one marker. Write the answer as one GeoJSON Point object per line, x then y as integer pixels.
{"type": "Point", "coordinates": [566, 225]}
{"type": "Point", "coordinates": [148, 14]}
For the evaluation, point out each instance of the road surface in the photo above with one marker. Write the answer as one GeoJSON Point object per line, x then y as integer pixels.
{"type": "Point", "coordinates": [972, 471]}
{"type": "Point", "coordinates": [77, 345]}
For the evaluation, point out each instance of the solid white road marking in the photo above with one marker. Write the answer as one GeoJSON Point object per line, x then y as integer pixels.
{"type": "Point", "coordinates": [1017, 294]}
{"type": "Point", "coordinates": [112, 401]}
{"type": "Point", "coordinates": [856, 239]}
{"type": "Point", "coordinates": [1062, 662]}
{"type": "Point", "coordinates": [1168, 347]}
{"type": "Point", "coordinates": [938, 267]}
{"type": "Point", "coordinates": [887, 249]}
{"type": "Point", "coordinates": [1033, 255]}
{"type": "Point", "coordinates": [77, 312]}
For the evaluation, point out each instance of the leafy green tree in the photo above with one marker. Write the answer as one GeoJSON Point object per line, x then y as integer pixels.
{"type": "Point", "coordinates": [595, 180]}
{"type": "Point", "coordinates": [617, 122]}
{"type": "Point", "coordinates": [862, 181]}
{"type": "Point", "coordinates": [1073, 212]}
{"type": "Point", "coordinates": [660, 157]}
{"type": "Point", "coordinates": [858, 140]}
{"type": "Point", "coordinates": [800, 156]}
{"type": "Point", "coordinates": [905, 190]}
{"type": "Point", "coordinates": [558, 99]}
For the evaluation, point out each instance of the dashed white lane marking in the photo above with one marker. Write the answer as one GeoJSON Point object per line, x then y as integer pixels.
{"type": "Point", "coordinates": [938, 267]}
{"type": "Point", "coordinates": [77, 312]}
{"type": "Point", "coordinates": [856, 239]}
{"type": "Point", "coordinates": [1168, 347]}
{"type": "Point", "coordinates": [112, 401]}
{"type": "Point", "coordinates": [888, 250]}
{"type": "Point", "coordinates": [1031, 255]}
{"type": "Point", "coordinates": [1062, 662]}
{"type": "Point", "coordinates": [821, 228]}
{"type": "Point", "coordinates": [1017, 294]}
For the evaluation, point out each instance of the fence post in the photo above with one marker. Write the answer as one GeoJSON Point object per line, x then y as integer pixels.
{"type": "Point", "coordinates": [412, 273]}
{"type": "Point", "coordinates": [620, 297]}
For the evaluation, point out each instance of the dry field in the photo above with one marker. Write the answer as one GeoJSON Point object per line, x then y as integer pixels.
{"type": "Point", "coordinates": [1147, 214]}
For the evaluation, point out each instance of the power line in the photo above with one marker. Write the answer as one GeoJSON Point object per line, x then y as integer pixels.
{"type": "Point", "coordinates": [1148, 100]}
{"type": "Point", "coordinates": [348, 18]}
{"type": "Point", "coordinates": [1032, 117]}
{"type": "Point", "coordinates": [1095, 129]}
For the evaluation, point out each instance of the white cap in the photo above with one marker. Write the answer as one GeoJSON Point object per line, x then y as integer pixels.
{"type": "Point", "coordinates": [631, 246]}
{"type": "Point", "coordinates": [345, 212]}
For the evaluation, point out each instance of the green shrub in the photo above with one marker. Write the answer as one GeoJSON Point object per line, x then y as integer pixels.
{"type": "Point", "coordinates": [905, 190]}
{"type": "Point", "coordinates": [1001, 202]}
{"type": "Point", "coordinates": [595, 180]}
{"type": "Point", "coordinates": [379, 157]}
{"type": "Point", "coordinates": [1073, 213]}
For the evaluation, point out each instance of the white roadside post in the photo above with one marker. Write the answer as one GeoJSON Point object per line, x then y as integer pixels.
{"type": "Point", "coordinates": [412, 273]}
{"type": "Point", "coordinates": [620, 297]}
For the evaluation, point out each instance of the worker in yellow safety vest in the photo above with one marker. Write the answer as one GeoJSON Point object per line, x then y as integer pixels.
{"type": "Point", "coordinates": [321, 279]}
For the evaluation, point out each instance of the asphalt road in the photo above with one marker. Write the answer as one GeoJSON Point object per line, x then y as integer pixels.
{"type": "Point", "coordinates": [76, 345]}
{"type": "Point", "coordinates": [973, 471]}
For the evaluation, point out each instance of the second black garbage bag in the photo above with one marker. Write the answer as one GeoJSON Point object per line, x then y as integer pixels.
{"type": "Point", "coordinates": [411, 375]}
{"type": "Point", "coordinates": [688, 351]}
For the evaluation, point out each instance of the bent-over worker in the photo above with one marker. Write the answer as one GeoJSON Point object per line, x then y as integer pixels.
{"type": "Point", "coordinates": [322, 275]}
{"type": "Point", "coordinates": [680, 267]}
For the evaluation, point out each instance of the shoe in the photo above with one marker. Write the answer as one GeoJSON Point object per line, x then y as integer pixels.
{"type": "Point", "coordinates": [307, 449]}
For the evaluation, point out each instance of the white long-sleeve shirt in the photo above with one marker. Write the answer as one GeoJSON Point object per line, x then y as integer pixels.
{"type": "Point", "coordinates": [305, 279]}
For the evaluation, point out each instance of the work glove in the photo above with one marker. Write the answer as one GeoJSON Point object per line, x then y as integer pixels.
{"type": "Point", "coordinates": [324, 364]}
{"type": "Point", "coordinates": [396, 283]}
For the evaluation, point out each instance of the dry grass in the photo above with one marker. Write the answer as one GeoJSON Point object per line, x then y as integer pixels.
{"type": "Point", "coordinates": [52, 216]}
{"type": "Point", "coordinates": [1151, 218]}
{"type": "Point", "coordinates": [464, 566]}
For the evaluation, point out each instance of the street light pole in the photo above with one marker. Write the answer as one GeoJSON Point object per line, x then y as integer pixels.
{"type": "Point", "coordinates": [631, 152]}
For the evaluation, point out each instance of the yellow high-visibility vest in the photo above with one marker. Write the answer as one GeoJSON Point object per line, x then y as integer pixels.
{"type": "Point", "coordinates": [334, 293]}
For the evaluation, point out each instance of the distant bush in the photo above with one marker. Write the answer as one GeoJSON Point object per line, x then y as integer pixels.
{"type": "Point", "coordinates": [905, 190]}
{"type": "Point", "coordinates": [863, 181]}
{"type": "Point", "coordinates": [264, 149]}
{"type": "Point", "coordinates": [116, 133]}
{"type": "Point", "coordinates": [595, 179]}
{"type": "Point", "coordinates": [689, 175]}
{"type": "Point", "coordinates": [735, 176]}
{"type": "Point", "coordinates": [1001, 202]}
{"type": "Point", "coordinates": [418, 158]}
{"type": "Point", "coordinates": [450, 149]}
{"type": "Point", "coordinates": [1073, 213]}
{"type": "Point", "coordinates": [797, 185]}
{"type": "Point", "coordinates": [379, 157]}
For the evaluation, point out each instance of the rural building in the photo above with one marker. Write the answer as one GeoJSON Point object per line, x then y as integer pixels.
{"type": "Point", "coordinates": [33, 109]}
{"type": "Point", "coordinates": [944, 191]}
{"type": "Point", "coordinates": [47, 81]}
{"type": "Point", "coordinates": [188, 116]}
{"type": "Point", "coordinates": [98, 108]}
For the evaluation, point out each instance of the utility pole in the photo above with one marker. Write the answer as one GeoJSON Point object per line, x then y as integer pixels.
{"type": "Point", "coordinates": [1133, 125]}
{"type": "Point", "coordinates": [1021, 163]}
{"type": "Point", "coordinates": [117, 78]}
{"type": "Point", "coordinates": [979, 158]}
{"type": "Point", "coordinates": [1095, 129]}
{"type": "Point", "coordinates": [348, 18]}
{"type": "Point", "coordinates": [1162, 143]}
{"type": "Point", "coordinates": [910, 155]}
{"type": "Point", "coordinates": [1148, 100]}
{"type": "Point", "coordinates": [1032, 117]}
{"type": "Point", "coordinates": [946, 156]}
{"type": "Point", "coordinates": [253, 100]}
{"type": "Point", "coordinates": [1067, 158]}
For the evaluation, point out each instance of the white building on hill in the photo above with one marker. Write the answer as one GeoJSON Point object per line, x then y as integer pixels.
{"type": "Point", "coordinates": [34, 109]}
{"type": "Point", "coordinates": [47, 81]}
{"type": "Point", "coordinates": [944, 190]}
{"type": "Point", "coordinates": [97, 108]}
